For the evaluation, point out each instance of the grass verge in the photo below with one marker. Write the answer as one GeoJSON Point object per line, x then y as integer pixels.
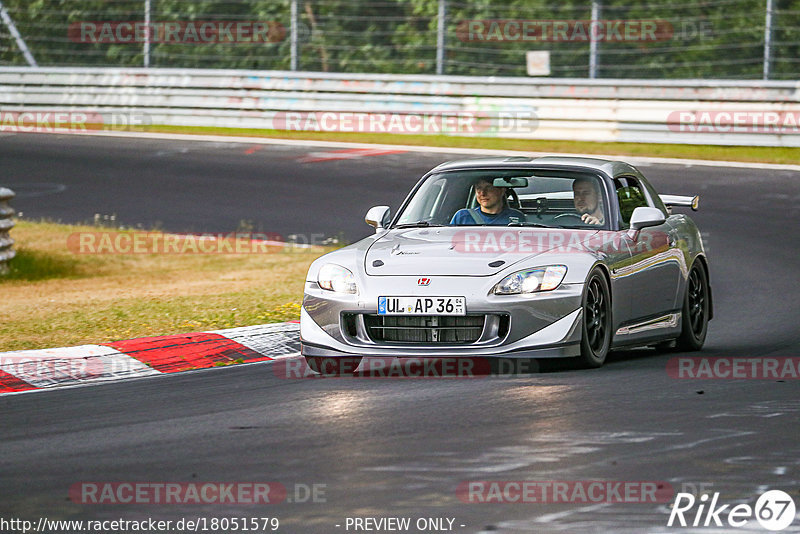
{"type": "Point", "coordinates": [54, 297]}
{"type": "Point", "coordinates": [755, 154]}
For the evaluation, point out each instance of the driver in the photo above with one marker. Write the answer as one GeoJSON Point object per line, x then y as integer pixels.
{"type": "Point", "coordinates": [492, 207]}
{"type": "Point", "coordinates": [586, 196]}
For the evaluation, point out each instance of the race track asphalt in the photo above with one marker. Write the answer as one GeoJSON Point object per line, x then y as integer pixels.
{"type": "Point", "coordinates": [401, 447]}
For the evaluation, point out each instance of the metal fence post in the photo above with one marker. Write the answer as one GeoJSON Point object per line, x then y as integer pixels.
{"type": "Point", "coordinates": [146, 51]}
{"type": "Point", "coordinates": [768, 39]}
{"type": "Point", "coordinates": [596, 7]}
{"type": "Point", "coordinates": [6, 224]}
{"type": "Point", "coordinates": [293, 43]}
{"type": "Point", "coordinates": [441, 30]}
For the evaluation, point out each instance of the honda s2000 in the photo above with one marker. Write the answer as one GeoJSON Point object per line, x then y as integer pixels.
{"type": "Point", "coordinates": [515, 258]}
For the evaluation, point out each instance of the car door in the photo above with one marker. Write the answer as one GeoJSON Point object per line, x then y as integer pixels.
{"type": "Point", "coordinates": [655, 266]}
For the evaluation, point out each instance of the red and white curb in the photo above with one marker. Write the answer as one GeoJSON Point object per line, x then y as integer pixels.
{"type": "Point", "coordinates": [68, 366]}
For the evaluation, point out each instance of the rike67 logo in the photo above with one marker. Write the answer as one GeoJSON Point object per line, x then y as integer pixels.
{"type": "Point", "coordinates": [774, 510]}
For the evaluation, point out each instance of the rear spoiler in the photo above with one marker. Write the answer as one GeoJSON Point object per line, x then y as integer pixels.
{"type": "Point", "coordinates": [677, 200]}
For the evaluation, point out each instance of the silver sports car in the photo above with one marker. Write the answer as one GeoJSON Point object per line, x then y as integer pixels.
{"type": "Point", "coordinates": [514, 257]}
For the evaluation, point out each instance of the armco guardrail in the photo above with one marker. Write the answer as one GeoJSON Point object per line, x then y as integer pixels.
{"type": "Point", "coordinates": [6, 224]}
{"type": "Point", "coordinates": [720, 112]}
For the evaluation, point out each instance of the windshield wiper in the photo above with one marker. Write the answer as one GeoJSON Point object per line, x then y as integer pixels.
{"type": "Point", "coordinates": [419, 224]}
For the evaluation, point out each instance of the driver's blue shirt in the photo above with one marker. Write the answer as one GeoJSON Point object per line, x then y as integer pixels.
{"type": "Point", "coordinates": [464, 218]}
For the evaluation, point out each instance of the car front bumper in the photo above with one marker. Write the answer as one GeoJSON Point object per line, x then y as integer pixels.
{"type": "Point", "coordinates": [537, 325]}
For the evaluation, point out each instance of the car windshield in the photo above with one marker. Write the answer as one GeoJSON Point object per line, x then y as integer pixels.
{"type": "Point", "coordinates": [557, 199]}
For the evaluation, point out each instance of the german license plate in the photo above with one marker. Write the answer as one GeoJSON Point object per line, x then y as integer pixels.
{"type": "Point", "coordinates": [422, 306]}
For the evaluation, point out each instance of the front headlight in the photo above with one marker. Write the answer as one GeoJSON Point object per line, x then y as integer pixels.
{"type": "Point", "coordinates": [531, 280]}
{"type": "Point", "coordinates": [336, 278]}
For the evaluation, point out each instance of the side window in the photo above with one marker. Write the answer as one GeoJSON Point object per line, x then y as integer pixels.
{"type": "Point", "coordinates": [630, 195]}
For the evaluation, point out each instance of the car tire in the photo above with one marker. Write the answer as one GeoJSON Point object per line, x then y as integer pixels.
{"type": "Point", "coordinates": [696, 308]}
{"type": "Point", "coordinates": [596, 323]}
{"type": "Point", "coordinates": [335, 366]}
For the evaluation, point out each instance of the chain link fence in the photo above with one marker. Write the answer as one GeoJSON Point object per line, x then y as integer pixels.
{"type": "Point", "coordinates": [735, 39]}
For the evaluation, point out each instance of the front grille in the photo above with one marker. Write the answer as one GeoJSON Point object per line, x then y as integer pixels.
{"type": "Point", "coordinates": [425, 328]}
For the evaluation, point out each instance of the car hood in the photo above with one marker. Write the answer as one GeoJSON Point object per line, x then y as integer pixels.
{"type": "Point", "coordinates": [464, 251]}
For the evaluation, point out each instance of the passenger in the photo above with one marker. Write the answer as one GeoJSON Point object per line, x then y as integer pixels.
{"type": "Point", "coordinates": [586, 197]}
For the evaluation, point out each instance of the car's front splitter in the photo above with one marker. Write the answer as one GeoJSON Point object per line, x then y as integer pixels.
{"type": "Point", "coordinates": [560, 339]}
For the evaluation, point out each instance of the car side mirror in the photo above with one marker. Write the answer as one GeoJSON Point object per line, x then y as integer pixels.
{"type": "Point", "coordinates": [378, 217]}
{"type": "Point", "coordinates": [643, 217]}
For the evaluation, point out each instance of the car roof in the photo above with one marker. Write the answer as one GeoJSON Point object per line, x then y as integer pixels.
{"type": "Point", "coordinates": [605, 166]}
